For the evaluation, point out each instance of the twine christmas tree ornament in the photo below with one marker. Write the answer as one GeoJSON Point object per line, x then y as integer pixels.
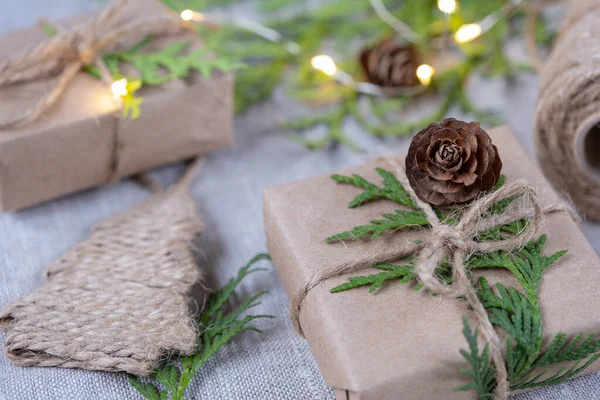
{"type": "Point", "coordinates": [568, 110]}
{"type": "Point", "coordinates": [120, 300]}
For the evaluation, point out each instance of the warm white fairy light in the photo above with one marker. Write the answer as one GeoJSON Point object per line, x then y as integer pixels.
{"type": "Point", "coordinates": [447, 6]}
{"type": "Point", "coordinates": [119, 88]}
{"type": "Point", "coordinates": [425, 73]}
{"type": "Point", "coordinates": [468, 33]}
{"type": "Point", "coordinates": [189, 15]}
{"type": "Point", "coordinates": [324, 64]}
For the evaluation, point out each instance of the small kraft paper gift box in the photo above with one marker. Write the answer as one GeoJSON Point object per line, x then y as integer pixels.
{"type": "Point", "coordinates": [82, 140]}
{"type": "Point", "coordinates": [400, 342]}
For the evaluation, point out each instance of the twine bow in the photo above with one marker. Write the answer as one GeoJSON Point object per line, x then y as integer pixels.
{"type": "Point", "coordinates": [69, 51]}
{"type": "Point", "coordinates": [455, 243]}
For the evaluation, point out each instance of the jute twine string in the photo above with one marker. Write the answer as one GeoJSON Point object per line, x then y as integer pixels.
{"type": "Point", "coordinates": [455, 243]}
{"type": "Point", "coordinates": [568, 109]}
{"type": "Point", "coordinates": [120, 300]}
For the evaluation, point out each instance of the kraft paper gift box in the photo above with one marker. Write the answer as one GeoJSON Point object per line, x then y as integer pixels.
{"type": "Point", "coordinates": [397, 343]}
{"type": "Point", "coordinates": [70, 148]}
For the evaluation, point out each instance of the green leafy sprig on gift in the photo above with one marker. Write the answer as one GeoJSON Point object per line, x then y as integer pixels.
{"type": "Point", "coordinates": [158, 67]}
{"type": "Point", "coordinates": [341, 27]}
{"type": "Point", "coordinates": [531, 362]}
{"type": "Point", "coordinates": [154, 67]}
{"type": "Point", "coordinates": [217, 325]}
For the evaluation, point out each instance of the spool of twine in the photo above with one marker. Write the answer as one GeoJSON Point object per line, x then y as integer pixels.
{"type": "Point", "coordinates": [568, 109]}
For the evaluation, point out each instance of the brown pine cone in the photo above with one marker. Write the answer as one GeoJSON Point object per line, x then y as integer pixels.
{"type": "Point", "coordinates": [450, 163]}
{"type": "Point", "coordinates": [389, 65]}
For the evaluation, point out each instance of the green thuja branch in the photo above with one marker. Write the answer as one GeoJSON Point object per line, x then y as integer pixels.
{"type": "Point", "coordinates": [401, 273]}
{"type": "Point", "coordinates": [404, 274]}
{"type": "Point", "coordinates": [332, 120]}
{"type": "Point", "coordinates": [216, 325]}
{"type": "Point", "coordinates": [391, 190]}
{"type": "Point", "coordinates": [481, 370]}
{"type": "Point", "coordinates": [340, 28]}
{"type": "Point", "coordinates": [377, 227]}
{"type": "Point", "coordinates": [167, 64]}
{"type": "Point", "coordinates": [515, 311]}
{"type": "Point", "coordinates": [562, 350]}
{"type": "Point", "coordinates": [519, 315]}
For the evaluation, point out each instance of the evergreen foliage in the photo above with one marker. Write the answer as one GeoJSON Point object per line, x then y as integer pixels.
{"type": "Point", "coordinates": [516, 311]}
{"type": "Point", "coordinates": [341, 27]}
{"type": "Point", "coordinates": [216, 326]}
{"type": "Point", "coordinates": [480, 370]}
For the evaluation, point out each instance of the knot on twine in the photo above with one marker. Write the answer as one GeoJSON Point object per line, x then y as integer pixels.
{"type": "Point", "coordinates": [452, 239]}
{"type": "Point", "coordinates": [454, 243]}
{"type": "Point", "coordinates": [84, 49]}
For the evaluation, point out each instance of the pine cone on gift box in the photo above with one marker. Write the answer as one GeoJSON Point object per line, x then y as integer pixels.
{"type": "Point", "coordinates": [390, 65]}
{"type": "Point", "coordinates": [450, 163]}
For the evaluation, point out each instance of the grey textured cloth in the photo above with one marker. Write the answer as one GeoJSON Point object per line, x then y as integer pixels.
{"type": "Point", "coordinates": [278, 364]}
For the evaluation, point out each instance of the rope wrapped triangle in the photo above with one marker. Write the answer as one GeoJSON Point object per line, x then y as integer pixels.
{"type": "Point", "coordinates": [119, 301]}
{"type": "Point", "coordinates": [455, 243]}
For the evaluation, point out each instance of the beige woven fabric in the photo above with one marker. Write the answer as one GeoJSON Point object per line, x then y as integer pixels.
{"type": "Point", "coordinates": [118, 301]}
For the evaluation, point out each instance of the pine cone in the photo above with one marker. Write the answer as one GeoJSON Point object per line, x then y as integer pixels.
{"type": "Point", "coordinates": [450, 163]}
{"type": "Point", "coordinates": [389, 65]}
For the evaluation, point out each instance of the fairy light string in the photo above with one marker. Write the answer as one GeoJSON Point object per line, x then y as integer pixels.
{"type": "Point", "coordinates": [327, 65]}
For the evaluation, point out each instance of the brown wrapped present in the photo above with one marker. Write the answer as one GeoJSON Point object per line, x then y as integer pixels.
{"type": "Point", "coordinates": [72, 146]}
{"type": "Point", "coordinates": [397, 342]}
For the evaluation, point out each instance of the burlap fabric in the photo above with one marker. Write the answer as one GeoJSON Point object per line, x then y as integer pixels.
{"type": "Point", "coordinates": [568, 109]}
{"type": "Point", "coordinates": [118, 301]}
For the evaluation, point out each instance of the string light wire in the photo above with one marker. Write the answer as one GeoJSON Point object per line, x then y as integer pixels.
{"type": "Point", "coordinates": [386, 16]}
{"type": "Point", "coordinates": [322, 63]}
{"type": "Point", "coordinates": [326, 64]}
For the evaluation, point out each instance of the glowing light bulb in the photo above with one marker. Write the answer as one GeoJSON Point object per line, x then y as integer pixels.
{"type": "Point", "coordinates": [187, 15]}
{"type": "Point", "coordinates": [447, 6]}
{"type": "Point", "coordinates": [425, 73]}
{"type": "Point", "coordinates": [324, 64]}
{"type": "Point", "coordinates": [467, 33]}
{"type": "Point", "coordinates": [119, 88]}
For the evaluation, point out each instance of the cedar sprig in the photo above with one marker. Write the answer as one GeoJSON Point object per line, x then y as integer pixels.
{"type": "Point", "coordinates": [392, 189]}
{"type": "Point", "coordinates": [151, 66]}
{"type": "Point", "coordinates": [402, 273]}
{"type": "Point", "coordinates": [377, 227]}
{"type": "Point", "coordinates": [517, 312]}
{"type": "Point", "coordinates": [337, 26]}
{"type": "Point", "coordinates": [481, 370]}
{"type": "Point", "coordinates": [561, 350]}
{"type": "Point", "coordinates": [519, 315]}
{"type": "Point", "coordinates": [158, 67]}
{"type": "Point", "coordinates": [167, 64]}
{"type": "Point", "coordinates": [216, 326]}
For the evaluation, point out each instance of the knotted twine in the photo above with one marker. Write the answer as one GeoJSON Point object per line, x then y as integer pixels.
{"type": "Point", "coordinates": [69, 51]}
{"type": "Point", "coordinates": [455, 243]}
{"type": "Point", "coordinates": [120, 300]}
{"type": "Point", "coordinates": [568, 109]}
